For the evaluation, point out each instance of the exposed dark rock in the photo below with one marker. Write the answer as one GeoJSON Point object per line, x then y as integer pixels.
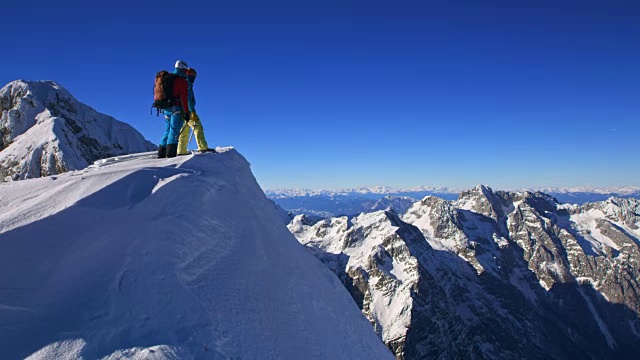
{"type": "Point", "coordinates": [493, 275]}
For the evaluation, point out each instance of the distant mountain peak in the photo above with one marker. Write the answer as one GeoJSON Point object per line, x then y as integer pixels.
{"type": "Point", "coordinates": [44, 130]}
{"type": "Point", "coordinates": [39, 87]}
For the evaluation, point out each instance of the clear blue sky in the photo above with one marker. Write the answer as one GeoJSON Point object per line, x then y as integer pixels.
{"type": "Point", "coordinates": [326, 94]}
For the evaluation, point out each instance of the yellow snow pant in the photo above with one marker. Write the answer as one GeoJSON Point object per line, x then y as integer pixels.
{"type": "Point", "coordinates": [195, 124]}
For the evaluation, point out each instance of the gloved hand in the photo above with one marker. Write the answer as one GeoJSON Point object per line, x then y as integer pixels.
{"type": "Point", "coordinates": [186, 115]}
{"type": "Point", "coordinates": [194, 117]}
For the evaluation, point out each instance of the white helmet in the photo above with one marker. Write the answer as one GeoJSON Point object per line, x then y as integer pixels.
{"type": "Point", "coordinates": [181, 65]}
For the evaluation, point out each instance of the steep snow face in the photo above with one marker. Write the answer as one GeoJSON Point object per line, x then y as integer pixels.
{"type": "Point", "coordinates": [493, 274]}
{"type": "Point", "coordinates": [183, 258]}
{"type": "Point", "coordinates": [44, 130]}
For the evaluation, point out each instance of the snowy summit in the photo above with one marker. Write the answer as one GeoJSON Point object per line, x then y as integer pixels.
{"type": "Point", "coordinates": [184, 258]}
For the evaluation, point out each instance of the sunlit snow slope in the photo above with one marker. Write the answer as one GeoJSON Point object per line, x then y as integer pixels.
{"type": "Point", "coordinates": [137, 257]}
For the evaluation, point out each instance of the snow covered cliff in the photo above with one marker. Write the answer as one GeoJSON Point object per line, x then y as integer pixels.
{"type": "Point", "coordinates": [183, 258]}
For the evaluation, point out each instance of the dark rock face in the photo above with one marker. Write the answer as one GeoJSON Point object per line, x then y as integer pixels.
{"type": "Point", "coordinates": [492, 275]}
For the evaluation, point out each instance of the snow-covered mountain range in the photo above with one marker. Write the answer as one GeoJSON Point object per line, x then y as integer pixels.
{"type": "Point", "coordinates": [328, 203]}
{"type": "Point", "coordinates": [387, 190]}
{"type": "Point", "coordinates": [381, 190]}
{"type": "Point", "coordinates": [44, 130]}
{"type": "Point", "coordinates": [136, 257]}
{"type": "Point", "coordinates": [506, 275]}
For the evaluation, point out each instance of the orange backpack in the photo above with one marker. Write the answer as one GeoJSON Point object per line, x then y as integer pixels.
{"type": "Point", "coordinates": [163, 91]}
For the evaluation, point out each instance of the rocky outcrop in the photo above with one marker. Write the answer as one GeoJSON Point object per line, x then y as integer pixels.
{"type": "Point", "coordinates": [492, 275]}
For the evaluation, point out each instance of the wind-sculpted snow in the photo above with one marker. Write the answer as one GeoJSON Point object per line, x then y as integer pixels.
{"type": "Point", "coordinates": [44, 131]}
{"type": "Point", "coordinates": [492, 275]}
{"type": "Point", "coordinates": [183, 258]}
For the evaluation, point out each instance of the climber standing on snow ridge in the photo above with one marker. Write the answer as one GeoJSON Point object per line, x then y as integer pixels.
{"type": "Point", "coordinates": [177, 113]}
{"type": "Point", "coordinates": [193, 123]}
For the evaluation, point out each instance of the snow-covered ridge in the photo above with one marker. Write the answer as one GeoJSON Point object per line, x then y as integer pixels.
{"type": "Point", "coordinates": [44, 130]}
{"type": "Point", "coordinates": [183, 258]}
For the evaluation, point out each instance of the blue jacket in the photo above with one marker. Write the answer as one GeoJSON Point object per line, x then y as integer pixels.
{"type": "Point", "coordinates": [180, 72]}
{"type": "Point", "coordinates": [192, 98]}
